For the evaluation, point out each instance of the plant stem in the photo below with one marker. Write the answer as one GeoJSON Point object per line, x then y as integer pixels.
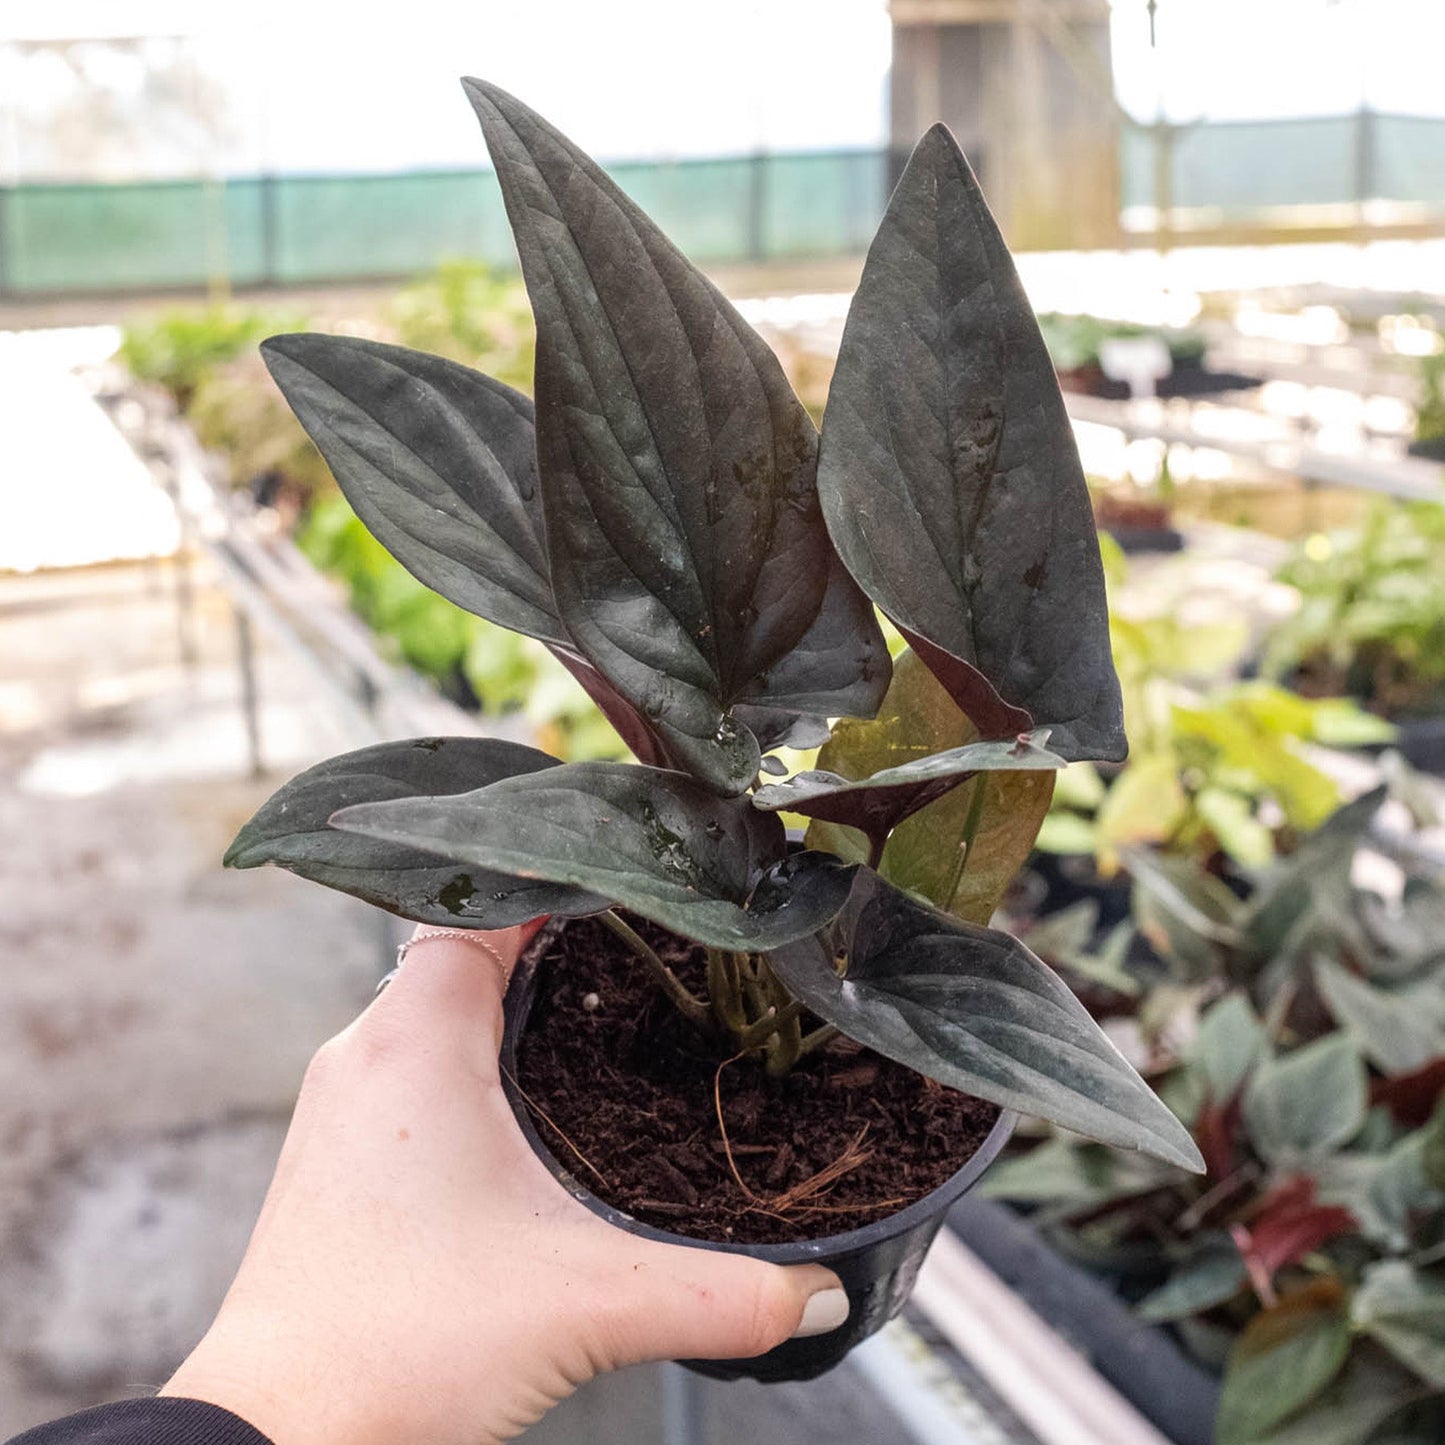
{"type": "Point", "coordinates": [970, 833]}
{"type": "Point", "coordinates": [770, 1024]}
{"type": "Point", "coordinates": [816, 1040]}
{"type": "Point", "coordinates": [753, 993]}
{"type": "Point", "coordinates": [876, 845]}
{"type": "Point", "coordinates": [722, 991]}
{"type": "Point", "coordinates": [691, 1008]}
{"type": "Point", "coordinates": [783, 1050]}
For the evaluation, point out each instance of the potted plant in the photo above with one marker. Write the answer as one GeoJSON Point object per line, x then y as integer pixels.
{"type": "Point", "coordinates": [1371, 622]}
{"type": "Point", "coordinates": [667, 521]}
{"type": "Point", "coordinates": [1219, 769]}
{"type": "Point", "coordinates": [1301, 1034]}
{"type": "Point", "coordinates": [1429, 439]}
{"type": "Point", "coordinates": [1076, 343]}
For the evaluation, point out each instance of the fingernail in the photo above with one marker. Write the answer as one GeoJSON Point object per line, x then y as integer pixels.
{"type": "Point", "coordinates": [824, 1312]}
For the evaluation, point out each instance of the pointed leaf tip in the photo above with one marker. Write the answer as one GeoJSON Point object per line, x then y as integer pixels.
{"type": "Point", "coordinates": [292, 830]}
{"type": "Point", "coordinates": [973, 1008]}
{"type": "Point", "coordinates": [438, 461]}
{"type": "Point", "coordinates": [689, 558]}
{"type": "Point", "coordinates": [947, 457]}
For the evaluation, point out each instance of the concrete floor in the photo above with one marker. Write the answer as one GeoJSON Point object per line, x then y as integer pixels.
{"type": "Point", "coordinates": [158, 1012]}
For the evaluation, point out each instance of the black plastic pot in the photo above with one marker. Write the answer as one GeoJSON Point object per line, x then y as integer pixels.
{"type": "Point", "coordinates": [877, 1264]}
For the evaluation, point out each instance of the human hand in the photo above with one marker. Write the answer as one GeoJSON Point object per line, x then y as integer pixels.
{"type": "Point", "coordinates": [417, 1274]}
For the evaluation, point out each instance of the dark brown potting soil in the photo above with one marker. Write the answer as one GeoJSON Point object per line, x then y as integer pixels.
{"type": "Point", "coordinates": [615, 1075]}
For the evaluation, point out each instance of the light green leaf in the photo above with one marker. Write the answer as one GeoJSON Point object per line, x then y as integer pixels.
{"type": "Point", "coordinates": [1079, 785]}
{"type": "Point", "coordinates": [1075, 1172]}
{"type": "Point", "coordinates": [1144, 805]}
{"type": "Point", "coordinates": [1404, 1309]}
{"type": "Point", "coordinates": [1063, 832]}
{"type": "Point", "coordinates": [1341, 723]}
{"type": "Point", "coordinates": [1283, 1359]}
{"type": "Point", "coordinates": [1399, 1030]}
{"type": "Point", "coordinates": [1231, 819]}
{"type": "Point", "coordinates": [1308, 1102]}
{"type": "Point", "coordinates": [1231, 1040]}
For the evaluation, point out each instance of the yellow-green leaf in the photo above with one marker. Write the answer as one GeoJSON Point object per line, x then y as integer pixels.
{"type": "Point", "coordinates": [925, 853]}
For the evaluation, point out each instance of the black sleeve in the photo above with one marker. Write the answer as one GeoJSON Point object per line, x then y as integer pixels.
{"type": "Point", "coordinates": [147, 1422]}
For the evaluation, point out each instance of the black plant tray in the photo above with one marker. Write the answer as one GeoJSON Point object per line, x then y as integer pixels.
{"type": "Point", "coordinates": [1143, 1362]}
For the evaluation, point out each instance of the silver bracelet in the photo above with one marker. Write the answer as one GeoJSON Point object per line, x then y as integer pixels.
{"type": "Point", "coordinates": [462, 935]}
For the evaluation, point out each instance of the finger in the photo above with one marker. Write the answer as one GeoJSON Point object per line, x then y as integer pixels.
{"type": "Point", "coordinates": [451, 986]}
{"type": "Point", "coordinates": [683, 1303]}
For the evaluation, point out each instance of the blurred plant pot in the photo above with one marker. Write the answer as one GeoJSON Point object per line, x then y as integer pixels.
{"type": "Point", "coordinates": [877, 1263]}
{"type": "Point", "coordinates": [1069, 878]}
{"type": "Point", "coordinates": [1137, 524]}
{"type": "Point", "coordinates": [1431, 448]}
{"type": "Point", "coordinates": [1191, 377]}
{"type": "Point", "coordinates": [1420, 741]}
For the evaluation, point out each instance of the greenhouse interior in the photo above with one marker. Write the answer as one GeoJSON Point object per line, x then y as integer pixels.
{"type": "Point", "coordinates": [846, 599]}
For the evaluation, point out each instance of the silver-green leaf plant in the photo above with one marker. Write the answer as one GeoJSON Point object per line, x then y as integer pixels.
{"type": "Point", "coordinates": [668, 521]}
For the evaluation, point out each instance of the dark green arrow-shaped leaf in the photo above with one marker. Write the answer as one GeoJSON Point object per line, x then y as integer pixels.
{"type": "Point", "coordinates": [712, 869]}
{"type": "Point", "coordinates": [1213, 1275]}
{"type": "Point", "coordinates": [291, 831]}
{"type": "Point", "coordinates": [949, 475]}
{"type": "Point", "coordinates": [439, 462]}
{"type": "Point", "coordinates": [688, 551]}
{"type": "Point", "coordinates": [974, 1009]}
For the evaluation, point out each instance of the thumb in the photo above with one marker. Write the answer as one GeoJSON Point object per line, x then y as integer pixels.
{"type": "Point", "coordinates": [690, 1303]}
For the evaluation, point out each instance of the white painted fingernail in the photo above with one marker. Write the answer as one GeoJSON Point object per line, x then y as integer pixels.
{"type": "Point", "coordinates": [824, 1311]}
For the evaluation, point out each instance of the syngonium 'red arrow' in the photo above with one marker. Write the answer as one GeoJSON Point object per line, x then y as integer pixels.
{"type": "Point", "coordinates": [949, 475]}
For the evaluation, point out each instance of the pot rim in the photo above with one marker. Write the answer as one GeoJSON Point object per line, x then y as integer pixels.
{"type": "Point", "coordinates": [932, 1205]}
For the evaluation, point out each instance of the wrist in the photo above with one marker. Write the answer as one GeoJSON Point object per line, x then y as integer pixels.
{"type": "Point", "coordinates": [291, 1394]}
